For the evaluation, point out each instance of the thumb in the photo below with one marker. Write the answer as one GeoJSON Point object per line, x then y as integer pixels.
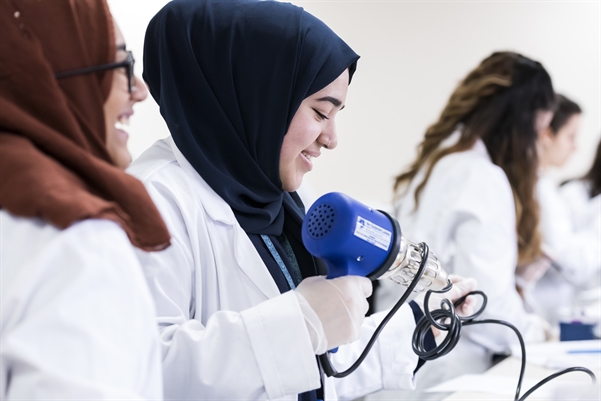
{"type": "Point", "coordinates": [365, 285]}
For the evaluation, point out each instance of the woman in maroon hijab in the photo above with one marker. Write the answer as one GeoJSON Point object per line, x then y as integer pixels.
{"type": "Point", "coordinates": [77, 321]}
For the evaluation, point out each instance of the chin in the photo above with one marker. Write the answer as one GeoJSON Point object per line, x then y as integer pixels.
{"type": "Point", "coordinates": [122, 160]}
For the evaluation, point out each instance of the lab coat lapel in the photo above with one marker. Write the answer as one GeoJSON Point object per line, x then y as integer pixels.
{"type": "Point", "coordinates": [250, 262]}
{"type": "Point", "coordinates": [246, 256]}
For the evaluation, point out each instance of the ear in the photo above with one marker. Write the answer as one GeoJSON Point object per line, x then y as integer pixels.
{"type": "Point", "coordinates": [544, 142]}
{"type": "Point", "coordinates": [545, 134]}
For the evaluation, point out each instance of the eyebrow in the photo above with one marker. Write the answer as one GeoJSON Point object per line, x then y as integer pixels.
{"type": "Point", "coordinates": [122, 47]}
{"type": "Point", "coordinates": [332, 100]}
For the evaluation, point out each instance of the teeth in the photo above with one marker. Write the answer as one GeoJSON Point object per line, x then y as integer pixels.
{"type": "Point", "coordinates": [123, 120]}
{"type": "Point", "coordinates": [119, 125]}
{"type": "Point", "coordinates": [307, 156]}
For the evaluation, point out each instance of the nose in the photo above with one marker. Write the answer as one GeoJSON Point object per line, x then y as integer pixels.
{"type": "Point", "coordinates": [329, 137]}
{"type": "Point", "coordinates": [141, 91]}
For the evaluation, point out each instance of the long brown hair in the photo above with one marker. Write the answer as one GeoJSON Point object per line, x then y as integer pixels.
{"type": "Point", "coordinates": [497, 102]}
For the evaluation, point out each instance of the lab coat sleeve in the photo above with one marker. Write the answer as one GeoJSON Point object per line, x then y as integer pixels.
{"type": "Point", "coordinates": [584, 211]}
{"type": "Point", "coordinates": [389, 365]}
{"type": "Point", "coordinates": [262, 352]}
{"type": "Point", "coordinates": [78, 320]}
{"type": "Point", "coordinates": [485, 238]}
{"type": "Point", "coordinates": [576, 252]}
{"type": "Point", "coordinates": [574, 195]}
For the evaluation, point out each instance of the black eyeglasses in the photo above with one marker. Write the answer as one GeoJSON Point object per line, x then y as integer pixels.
{"type": "Point", "coordinates": [128, 64]}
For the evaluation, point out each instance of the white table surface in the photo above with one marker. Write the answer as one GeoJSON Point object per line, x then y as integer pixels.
{"type": "Point", "coordinates": [571, 386]}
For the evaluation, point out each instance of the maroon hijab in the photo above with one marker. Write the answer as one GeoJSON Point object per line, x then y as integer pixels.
{"type": "Point", "coordinates": [53, 160]}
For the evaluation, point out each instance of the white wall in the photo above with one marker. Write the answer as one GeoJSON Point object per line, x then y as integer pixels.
{"type": "Point", "coordinates": [413, 54]}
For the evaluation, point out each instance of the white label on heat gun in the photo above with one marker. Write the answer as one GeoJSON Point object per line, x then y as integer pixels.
{"type": "Point", "coordinates": [372, 233]}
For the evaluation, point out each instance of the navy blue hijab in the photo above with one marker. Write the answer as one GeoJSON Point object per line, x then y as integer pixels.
{"type": "Point", "coordinates": [228, 77]}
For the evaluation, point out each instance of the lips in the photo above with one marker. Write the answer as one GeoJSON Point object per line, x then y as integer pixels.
{"type": "Point", "coordinates": [308, 157]}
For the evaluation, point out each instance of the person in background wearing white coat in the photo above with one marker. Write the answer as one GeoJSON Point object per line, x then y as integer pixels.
{"type": "Point", "coordinates": [572, 255]}
{"type": "Point", "coordinates": [583, 195]}
{"type": "Point", "coordinates": [470, 196]}
{"type": "Point", "coordinates": [77, 319]}
{"type": "Point", "coordinates": [583, 199]}
{"type": "Point", "coordinates": [250, 91]}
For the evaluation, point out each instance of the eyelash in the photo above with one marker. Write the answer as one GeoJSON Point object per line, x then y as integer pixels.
{"type": "Point", "coordinates": [321, 116]}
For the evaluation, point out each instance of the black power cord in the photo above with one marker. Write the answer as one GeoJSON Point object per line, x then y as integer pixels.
{"type": "Point", "coordinates": [325, 360]}
{"type": "Point", "coordinates": [454, 329]}
{"type": "Point", "coordinates": [444, 319]}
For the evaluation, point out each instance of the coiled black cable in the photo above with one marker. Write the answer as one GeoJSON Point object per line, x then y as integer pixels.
{"type": "Point", "coordinates": [325, 360]}
{"type": "Point", "coordinates": [444, 319]}
{"type": "Point", "coordinates": [445, 347]}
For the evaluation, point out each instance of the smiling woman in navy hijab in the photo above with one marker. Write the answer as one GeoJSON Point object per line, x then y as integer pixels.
{"type": "Point", "coordinates": [250, 91]}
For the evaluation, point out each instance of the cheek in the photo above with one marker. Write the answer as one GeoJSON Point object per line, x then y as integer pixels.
{"type": "Point", "coordinates": [119, 97]}
{"type": "Point", "coordinates": [561, 150]}
{"type": "Point", "coordinates": [287, 153]}
{"type": "Point", "coordinates": [568, 147]}
{"type": "Point", "coordinates": [116, 147]}
{"type": "Point", "coordinates": [114, 105]}
{"type": "Point", "coordinates": [303, 131]}
{"type": "Point", "coordinates": [567, 142]}
{"type": "Point", "coordinates": [116, 141]}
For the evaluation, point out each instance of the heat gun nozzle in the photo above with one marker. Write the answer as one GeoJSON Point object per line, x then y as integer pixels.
{"type": "Point", "coordinates": [406, 265]}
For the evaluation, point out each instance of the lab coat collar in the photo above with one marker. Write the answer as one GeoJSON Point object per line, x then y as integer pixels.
{"type": "Point", "coordinates": [479, 148]}
{"type": "Point", "coordinates": [216, 208]}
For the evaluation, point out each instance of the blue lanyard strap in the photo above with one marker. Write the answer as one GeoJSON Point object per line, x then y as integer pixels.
{"type": "Point", "coordinates": [279, 260]}
{"type": "Point", "coordinates": [295, 270]}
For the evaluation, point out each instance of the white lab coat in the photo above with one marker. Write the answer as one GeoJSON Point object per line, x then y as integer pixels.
{"type": "Point", "coordinates": [227, 332]}
{"type": "Point", "coordinates": [77, 320]}
{"type": "Point", "coordinates": [466, 215]}
{"type": "Point", "coordinates": [584, 211]}
{"type": "Point", "coordinates": [576, 252]}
